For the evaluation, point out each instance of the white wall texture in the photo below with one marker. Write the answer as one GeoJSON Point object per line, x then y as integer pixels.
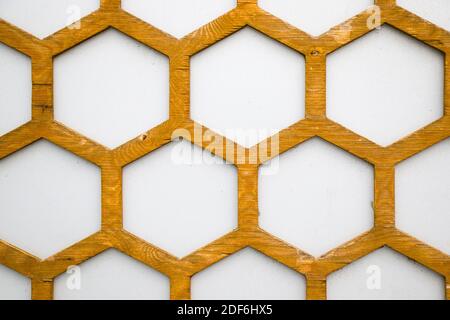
{"type": "Point", "coordinates": [227, 79]}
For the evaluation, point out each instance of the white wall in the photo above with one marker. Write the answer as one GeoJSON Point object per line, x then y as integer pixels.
{"type": "Point", "coordinates": [384, 274]}
{"type": "Point", "coordinates": [44, 17]}
{"type": "Point", "coordinates": [112, 276]}
{"type": "Point", "coordinates": [177, 202]}
{"type": "Point", "coordinates": [86, 77]}
{"type": "Point", "coordinates": [13, 286]}
{"type": "Point", "coordinates": [408, 72]}
{"type": "Point", "coordinates": [15, 89]}
{"type": "Point", "coordinates": [50, 199]}
{"type": "Point", "coordinates": [248, 274]}
{"type": "Point", "coordinates": [252, 67]}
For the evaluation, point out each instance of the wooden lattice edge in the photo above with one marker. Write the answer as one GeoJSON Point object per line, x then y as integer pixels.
{"type": "Point", "coordinates": [248, 234]}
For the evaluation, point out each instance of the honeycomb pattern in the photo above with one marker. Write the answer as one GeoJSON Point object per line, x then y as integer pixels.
{"type": "Point", "coordinates": [248, 234]}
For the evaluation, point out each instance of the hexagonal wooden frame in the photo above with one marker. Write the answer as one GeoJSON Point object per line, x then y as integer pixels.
{"type": "Point", "coordinates": [247, 234]}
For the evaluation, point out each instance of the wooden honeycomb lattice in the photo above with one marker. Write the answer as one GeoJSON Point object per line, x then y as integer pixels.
{"type": "Point", "coordinates": [247, 13]}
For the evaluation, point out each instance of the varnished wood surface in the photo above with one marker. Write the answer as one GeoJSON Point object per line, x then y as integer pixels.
{"type": "Point", "coordinates": [248, 233]}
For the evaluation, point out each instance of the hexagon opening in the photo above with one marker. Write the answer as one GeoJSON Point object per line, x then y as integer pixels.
{"type": "Point", "coordinates": [385, 275]}
{"type": "Point", "coordinates": [112, 276]}
{"type": "Point", "coordinates": [180, 198]}
{"type": "Point", "coordinates": [15, 89]}
{"type": "Point", "coordinates": [44, 17]}
{"type": "Point", "coordinates": [248, 274]}
{"type": "Point", "coordinates": [255, 87]}
{"type": "Point", "coordinates": [13, 286]}
{"type": "Point", "coordinates": [318, 198]}
{"type": "Point", "coordinates": [50, 199]}
{"type": "Point", "coordinates": [105, 99]}
{"type": "Point", "coordinates": [178, 17]}
{"type": "Point", "coordinates": [314, 17]}
{"type": "Point", "coordinates": [395, 90]}
{"type": "Point", "coordinates": [422, 193]}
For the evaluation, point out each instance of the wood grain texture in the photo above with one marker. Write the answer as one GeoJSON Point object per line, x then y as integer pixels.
{"type": "Point", "coordinates": [248, 233]}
